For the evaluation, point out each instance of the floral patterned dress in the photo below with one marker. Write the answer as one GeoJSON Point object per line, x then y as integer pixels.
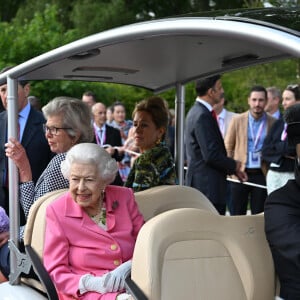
{"type": "Point", "coordinates": [152, 168]}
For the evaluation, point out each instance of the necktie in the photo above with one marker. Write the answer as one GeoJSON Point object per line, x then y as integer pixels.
{"type": "Point", "coordinates": [214, 115]}
{"type": "Point", "coordinates": [100, 136]}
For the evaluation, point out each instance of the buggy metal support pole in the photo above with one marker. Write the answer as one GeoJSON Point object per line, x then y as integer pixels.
{"type": "Point", "coordinates": [179, 131]}
{"type": "Point", "coordinates": [14, 222]}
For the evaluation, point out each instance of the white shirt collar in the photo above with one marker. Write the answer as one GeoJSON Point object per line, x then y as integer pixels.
{"type": "Point", "coordinates": [206, 104]}
{"type": "Point", "coordinates": [103, 127]}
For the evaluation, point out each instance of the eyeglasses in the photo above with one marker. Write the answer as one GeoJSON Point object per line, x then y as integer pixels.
{"type": "Point", "coordinates": [53, 130]}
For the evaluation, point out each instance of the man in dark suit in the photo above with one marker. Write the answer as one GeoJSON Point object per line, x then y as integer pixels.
{"type": "Point", "coordinates": [273, 103]}
{"type": "Point", "coordinates": [282, 218]}
{"type": "Point", "coordinates": [208, 163]}
{"type": "Point", "coordinates": [31, 135]}
{"type": "Point", "coordinates": [107, 136]}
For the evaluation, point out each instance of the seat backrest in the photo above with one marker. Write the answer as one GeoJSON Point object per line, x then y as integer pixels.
{"type": "Point", "coordinates": [36, 222]}
{"type": "Point", "coordinates": [162, 198]}
{"type": "Point", "coordinates": [193, 254]}
{"type": "Point", "coordinates": [34, 235]}
{"type": "Point", "coordinates": [151, 202]}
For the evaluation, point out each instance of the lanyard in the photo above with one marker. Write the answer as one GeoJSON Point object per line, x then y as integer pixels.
{"type": "Point", "coordinates": [100, 136]}
{"type": "Point", "coordinates": [284, 132]}
{"type": "Point", "coordinates": [256, 138]}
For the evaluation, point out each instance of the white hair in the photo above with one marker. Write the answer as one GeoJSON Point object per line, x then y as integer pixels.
{"type": "Point", "coordinates": [89, 153]}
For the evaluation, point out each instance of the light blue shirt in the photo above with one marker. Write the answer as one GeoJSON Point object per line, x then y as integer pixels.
{"type": "Point", "coordinates": [23, 116]}
{"type": "Point", "coordinates": [276, 114]}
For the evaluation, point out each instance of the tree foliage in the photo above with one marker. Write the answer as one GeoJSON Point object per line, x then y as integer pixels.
{"type": "Point", "coordinates": [29, 28]}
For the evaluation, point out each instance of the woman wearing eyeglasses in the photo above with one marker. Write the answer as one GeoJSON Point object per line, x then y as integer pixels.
{"type": "Point", "coordinates": [68, 123]}
{"type": "Point", "coordinates": [275, 151]}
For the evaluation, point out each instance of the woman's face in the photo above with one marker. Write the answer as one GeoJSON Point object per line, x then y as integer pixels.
{"type": "Point", "coordinates": [86, 186]}
{"type": "Point", "coordinates": [146, 134]}
{"type": "Point", "coordinates": [61, 141]}
{"type": "Point", "coordinates": [119, 114]}
{"type": "Point", "coordinates": [288, 99]}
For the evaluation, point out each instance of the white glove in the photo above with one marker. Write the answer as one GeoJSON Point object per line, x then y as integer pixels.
{"type": "Point", "coordinates": [90, 283]}
{"type": "Point", "coordinates": [116, 281]}
{"type": "Point", "coordinates": [124, 296]}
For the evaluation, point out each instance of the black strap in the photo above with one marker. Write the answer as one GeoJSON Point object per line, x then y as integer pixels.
{"type": "Point", "coordinates": [42, 273]}
{"type": "Point", "coordinates": [134, 290]}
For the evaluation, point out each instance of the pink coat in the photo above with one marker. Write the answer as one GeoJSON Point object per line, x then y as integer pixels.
{"type": "Point", "coordinates": [75, 245]}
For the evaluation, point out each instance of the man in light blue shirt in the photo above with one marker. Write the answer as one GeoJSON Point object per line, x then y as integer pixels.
{"type": "Point", "coordinates": [243, 142]}
{"type": "Point", "coordinates": [273, 103]}
{"type": "Point", "coordinates": [31, 135]}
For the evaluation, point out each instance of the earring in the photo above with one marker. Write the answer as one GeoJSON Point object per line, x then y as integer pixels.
{"type": "Point", "coordinates": [158, 141]}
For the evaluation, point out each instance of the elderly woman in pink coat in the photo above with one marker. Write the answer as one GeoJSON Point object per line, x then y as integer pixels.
{"type": "Point", "coordinates": [91, 230]}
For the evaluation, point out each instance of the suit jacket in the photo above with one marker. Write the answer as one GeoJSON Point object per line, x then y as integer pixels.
{"type": "Point", "coordinates": [75, 245]}
{"type": "Point", "coordinates": [113, 138]}
{"type": "Point", "coordinates": [275, 150]}
{"type": "Point", "coordinates": [282, 223]}
{"type": "Point", "coordinates": [208, 163]}
{"type": "Point", "coordinates": [236, 139]}
{"type": "Point", "coordinates": [35, 144]}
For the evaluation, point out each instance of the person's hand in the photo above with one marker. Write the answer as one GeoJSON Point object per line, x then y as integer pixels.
{"type": "Point", "coordinates": [121, 149]}
{"type": "Point", "coordinates": [4, 236]}
{"type": "Point", "coordinates": [90, 283]}
{"type": "Point", "coordinates": [241, 175]}
{"type": "Point", "coordinates": [124, 296]}
{"type": "Point", "coordinates": [15, 151]}
{"type": "Point", "coordinates": [115, 280]}
{"type": "Point", "coordinates": [110, 150]}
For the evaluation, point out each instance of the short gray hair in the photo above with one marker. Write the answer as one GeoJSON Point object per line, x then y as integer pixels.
{"type": "Point", "coordinates": [89, 153]}
{"type": "Point", "coordinates": [276, 92]}
{"type": "Point", "coordinates": [76, 115]}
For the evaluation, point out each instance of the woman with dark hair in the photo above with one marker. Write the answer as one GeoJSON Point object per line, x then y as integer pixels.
{"type": "Point", "coordinates": [275, 151]}
{"type": "Point", "coordinates": [155, 165]}
{"type": "Point", "coordinates": [119, 120]}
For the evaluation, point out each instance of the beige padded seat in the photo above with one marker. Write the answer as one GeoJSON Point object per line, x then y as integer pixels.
{"type": "Point", "coordinates": [151, 202]}
{"type": "Point", "coordinates": [34, 234]}
{"type": "Point", "coordinates": [159, 199]}
{"type": "Point", "coordinates": [193, 254]}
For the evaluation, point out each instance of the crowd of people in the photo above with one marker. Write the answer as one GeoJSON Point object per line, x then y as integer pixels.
{"type": "Point", "coordinates": [86, 154]}
{"type": "Point", "coordinates": [102, 158]}
{"type": "Point", "coordinates": [261, 147]}
{"type": "Point", "coordinates": [249, 148]}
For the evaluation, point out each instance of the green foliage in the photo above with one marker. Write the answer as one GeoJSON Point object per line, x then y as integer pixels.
{"type": "Point", "coordinates": [238, 83]}
{"type": "Point", "coordinates": [90, 17]}
{"type": "Point", "coordinates": [285, 3]}
{"type": "Point", "coordinates": [8, 9]}
{"type": "Point", "coordinates": [253, 3]}
{"type": "Point", "coordinates": [34, 37]}
{"type": "Point", "coordinates": [43, 25]}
